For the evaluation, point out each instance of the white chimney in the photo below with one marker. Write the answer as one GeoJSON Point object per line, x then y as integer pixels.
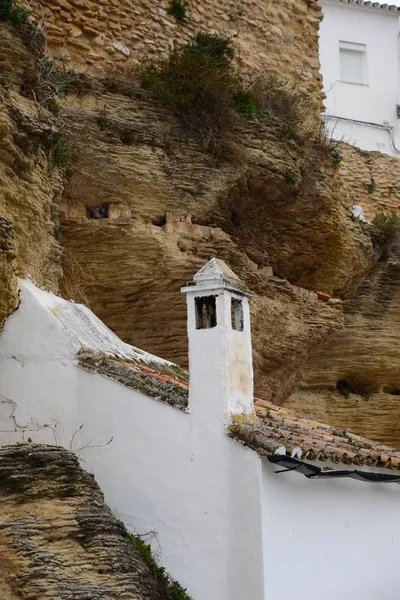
{"type": "Point", "coordinates": [220, 356]}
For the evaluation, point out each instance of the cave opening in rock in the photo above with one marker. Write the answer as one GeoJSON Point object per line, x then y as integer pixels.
{"type": "Point", "coordinates": [98, 212]}
{"type": "Point", "coordinates": [393, 390]}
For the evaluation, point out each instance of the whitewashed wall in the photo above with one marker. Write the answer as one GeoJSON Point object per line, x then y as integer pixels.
{"type": "Point", "coordinates": [165, 471]}
{"type": "Point", "coordinates": [372, 103]}
{"type": "Point", "coordinates": [224, 524]}
{"type": "Point", "coordinates": [330, 539]}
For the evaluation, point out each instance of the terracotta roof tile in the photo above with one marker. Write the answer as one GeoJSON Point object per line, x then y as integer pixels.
{"type": "Point", "coordinates": [373, 5]}
{"type": "Point", "coordinates": [273, 427]}
{"type": "Point", "coordinates": [163, 381]}
{"type": "Point", "coordinates": [280, 428]}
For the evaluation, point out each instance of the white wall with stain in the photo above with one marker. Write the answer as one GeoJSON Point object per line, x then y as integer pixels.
{"type": "Point", "coordinates": [174, 475]}
{"type": "Point", "coordinates": [221, 521]}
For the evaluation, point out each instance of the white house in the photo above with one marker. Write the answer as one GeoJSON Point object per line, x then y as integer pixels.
{"type": "Point", "coordinates": [231, 492]}
{"type": "Point", "coordinates": [359, 55]}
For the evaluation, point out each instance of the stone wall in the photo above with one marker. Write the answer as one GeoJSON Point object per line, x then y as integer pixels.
{"type": "Point", "coordinates": [371, 180]}
{"type": "Point", "coordinates": [92, 36]}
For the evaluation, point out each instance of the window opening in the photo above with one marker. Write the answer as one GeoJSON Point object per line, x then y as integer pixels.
{"type": "Point", "coordinates": [98, 212]}
{"type": "Point", "coordinates": [237, 314]}
{"type": "Point", "coordinates": [353, 62]}
{"type": "Point", "coordinates": [206, 312]}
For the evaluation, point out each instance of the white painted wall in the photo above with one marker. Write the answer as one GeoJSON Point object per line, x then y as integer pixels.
{"type": "Point", "coordinates": [330, 539]}
{"type": "Point", "coordinates": [166, 471]}
{"type": "Point", "coordinates": [224, 524]}
{"type": "Point", "coordinates": [375, 102]}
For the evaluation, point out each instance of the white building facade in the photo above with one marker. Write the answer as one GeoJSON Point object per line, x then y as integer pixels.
{"type": "Point", "coordinates": [224, 521]}
{"type": "Point", "coordinates": [359, 56]}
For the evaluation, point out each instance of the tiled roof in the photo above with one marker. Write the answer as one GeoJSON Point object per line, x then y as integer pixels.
{"type": "Point", "coordinates": [274, 428]}
{"type": "Point", "coordinates": [100, 350]}
{"type": "Point", "coordinates": [376, 5]}
{"type": "Point", "coordinates": [162, 381]}
{"type": "Point", "coordinates": [280, 429]}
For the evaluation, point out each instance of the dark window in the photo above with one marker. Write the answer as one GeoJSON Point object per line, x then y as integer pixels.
{"type": "Point", "coordinates": [97, 212]}
{"type": "Point", "coordinates": [237, 314]}
{"type": "Point", "coordinates": [206, 312]}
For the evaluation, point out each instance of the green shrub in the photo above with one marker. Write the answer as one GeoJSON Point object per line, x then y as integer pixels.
{"type": "Point", "coordinates": [290, 177]}
{"type": "Point", "coordinates": [371, 186]}
{"type": "Point", "coordinates": [169, 588]}
{"type": "Point", "coordinates": [178, 10]}
{"type": "Point", "coordinates": [236, 15]}
{"type": "Point", "coordinates": [247, 105]}
{"type": "Point", "coordinates": [54, 107]}
{"type": "Point", "coordinates": [11, 12]}
{"type": "Point", "coordinates": [198, 82]}
{"type": "Point", "coordinates": [290, 130]}
{"type": "Point", "coordinates": [201, 84]}
{"type": "Point", "coordinates": [62, 153]}
{"type": "Point", "coordinates": [357, 384]}
{"type": "Point", "coordinates": [388, 225]}
{"type": "Point", "coordinates": [336, 157]}
{"type": "Point", "coordinates": [103, 121]}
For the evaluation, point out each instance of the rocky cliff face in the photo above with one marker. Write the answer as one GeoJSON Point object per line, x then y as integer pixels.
{"type": "Point", "coordinates": [365, 355]}
{"type": "Point", "coordinates": [142, 175]}
{"type": "Point", "coordinates": [31, 185]}
{"type": "Point", "coordinates": [57, 537]}
{"type": "Point", "coordinates": [96, 36]}
{"type": "Point", "coordinates": [146, 205]}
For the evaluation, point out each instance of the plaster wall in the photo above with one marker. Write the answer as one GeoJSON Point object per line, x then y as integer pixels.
{"type": "Point", "coordinates": [376, 100]}
{"type": "Point", "coordinates": [221, 521]}
{"type": "Point", "coordinates": [172, 475]}
{"type": "Point", "coordinates": [330, 539]}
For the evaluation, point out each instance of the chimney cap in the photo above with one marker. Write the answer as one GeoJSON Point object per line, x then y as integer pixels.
{"type": "Point", "coordinates": [216, 273]}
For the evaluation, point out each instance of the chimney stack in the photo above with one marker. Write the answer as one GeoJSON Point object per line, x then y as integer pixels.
{"type": "Point", "coordinates": [220, 354]}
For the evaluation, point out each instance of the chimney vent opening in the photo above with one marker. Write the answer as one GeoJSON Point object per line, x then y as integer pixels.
{"type": "Point", "coordinates": [206, 312]}
{"type": "Point", "coordinates": [237, 314]}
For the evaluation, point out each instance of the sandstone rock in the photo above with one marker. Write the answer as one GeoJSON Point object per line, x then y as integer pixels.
{"type": "Point", "coordinates": [30, 185]}
{"type": "Point", "coordinates": [57, 537]}
{"type": "Point", "coordinates": [359, 168]}
{"type": "Point", "coordinates": [8, 295]}
{"type": "Point", "coordinates": [251, 31]}
{"type": "Point", "coordinates": [130, 272]}
{"type": "Point", "coordinates": [366, 351]}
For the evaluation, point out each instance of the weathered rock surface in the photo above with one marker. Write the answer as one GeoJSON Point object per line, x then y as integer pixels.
{"type": "Point", "coordinates": [8, 296]}
{"type": "Point", "coordinates": [366, 351]}
{"type": "Point", "coordinates": [137, 294]}
{"type": "Point", "coordinates": [94, 36]}
{"type": "Point", "coordinates": [30, 184]}
{"type": "Point", "coordinates": [370, 179]}
{"type": "Point", "coordinates": [270, 202]}
{"type": "Point", "coordinates": [130, 266]}
{"type": "Point", "coordinates": [57, 537]}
